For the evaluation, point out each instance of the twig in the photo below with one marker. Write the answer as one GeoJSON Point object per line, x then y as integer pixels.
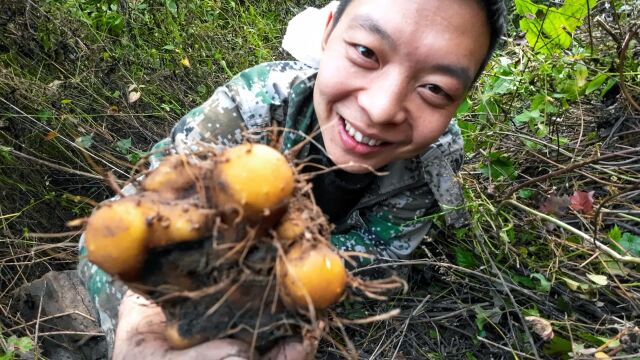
{"type": "Point", "coordinates": [602, 247]}
{"type": "Point", "coordinates": [386, 316]}
{"type": "Point", "coordinates": [566, 170]}
{"type": "Point", "coordinates": [54, 166]}
{"type": "Point", "coordinates": [623, 58]}
{"type": "Point", "coordinates": [608, 30]}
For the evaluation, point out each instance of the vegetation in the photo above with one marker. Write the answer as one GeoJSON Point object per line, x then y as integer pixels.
{"type": "Point", "coordinates": [549, 268]}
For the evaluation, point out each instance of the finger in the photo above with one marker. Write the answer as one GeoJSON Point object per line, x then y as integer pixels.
{"type": "Point", "coordinates": [140, 335]}
{"type": "Point", "coordinates": [289, 349]}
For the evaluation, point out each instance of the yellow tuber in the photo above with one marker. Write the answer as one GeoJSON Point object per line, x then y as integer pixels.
{"type": "Point", "coordinates": [256, 177]}
{"type": "Point", "coordinates": [171, 178]}
{"type": "Point", "coordinates": [314, 270]}
{"type": "Point", "coordinates": [116, 237]}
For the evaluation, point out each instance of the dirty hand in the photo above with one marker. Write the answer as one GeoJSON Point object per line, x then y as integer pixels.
{"type": "Point", "coordinates": [140, 336]}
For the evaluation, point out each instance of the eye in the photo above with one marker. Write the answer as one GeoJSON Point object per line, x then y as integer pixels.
{"type": "Point", "coordinates": [436, 95]}
{"type": "Point", "coordinates": [435, 89]}
{"type": "Point", "coordinates": [366, 53]}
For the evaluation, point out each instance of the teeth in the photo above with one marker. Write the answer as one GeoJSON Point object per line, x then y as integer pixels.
{"type": "Point", "coordinates": [359, 137]}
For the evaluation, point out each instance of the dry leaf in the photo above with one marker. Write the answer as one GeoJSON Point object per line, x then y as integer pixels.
{"type": "Point", "coordinates": [50, 135]}
{"type": "Point", "coordinates": [134, 96]}
{"type": "Point", "coordinates": [601, 355]}
{"type": "Point", "coordinates": [113, 110]}
{"type": "Point", "coordinates": [185, 62]}
{"type": "Point", "coordinates": [582, 201]}
{"type": "Point", "coordinates": [555, 205]}
{"type": "Point", "coordinates": [541, 327]}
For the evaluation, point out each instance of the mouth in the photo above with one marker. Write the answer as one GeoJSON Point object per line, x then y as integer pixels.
{"type": "Point", "coordinates": [356, 142]}
{"type": "Point", "coordinates": [359, 137]}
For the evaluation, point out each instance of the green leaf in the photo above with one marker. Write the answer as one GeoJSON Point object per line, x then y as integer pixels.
{"type": "Point", "coordinates": [630, 243]}
{"type": "Point", "coordinates": [543, 284]}
{"type": "Point", "coordinates": [499, 166]}
{"type": "Point", "coordinates": [5, 153]}
{"type": "Point", "coordinates": [172, 7]}
{"type": "Point", "coordinates": [615, 233]}
{"type": "Point", "coordinates": [608, 87]}
{"type": "Point", "coordinates": [85, 141]}
{"type": "Point", "coordinates": [526, 193]}
{"type": "Point", "coordinates": [123, 146]}
{"type": "Point", "coordinates": [558, 346]}
{"type": "Point", "coordinates": [464, 258]}
{"type": "Point", "coordinates": [596, 83]}
{"type": "Point", "coordinates": [464, 107]}
{"type": "Point", "coordinates": [527, 116]}
{"type": "Point", "coordinates": [581, 75]}
{"type": "Point", "coordinates": [23, 344]}
{"type": "Point", "coordinates": [169, 47]}
{"type": "Point", "coordinates": [7, 356]}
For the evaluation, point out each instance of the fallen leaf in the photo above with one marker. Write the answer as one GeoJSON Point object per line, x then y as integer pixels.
{"type": "Point", "coordinates": [582, 201]}
{"type": "Point", "coordinates": [185, 62]}
{"type": "Point", "coordinates": [50, 135]}
{"type": "Point", "coordinates": [556, 205]}
{"type": "Point", "coordinates": [601, 355]}
{"type": "Point", "coordinates": [113, 110]}
{"type": "Point", "coordinates": [598, 279]}
{"type": "Point", "coordinates": [134, 96]}
{"type": "Point", "coordinates": [541, 327]}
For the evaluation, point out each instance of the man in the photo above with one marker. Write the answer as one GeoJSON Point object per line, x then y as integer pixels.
{"type": "Point", "coordinates": [391, 76]}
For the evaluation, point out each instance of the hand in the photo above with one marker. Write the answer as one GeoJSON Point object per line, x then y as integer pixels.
{"type": "Point", "coordinates": [140, 335]}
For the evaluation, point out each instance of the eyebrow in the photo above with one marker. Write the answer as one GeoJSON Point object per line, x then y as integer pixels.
{"type": "Point", "coordinates": [371, 25]}
{"type": "Point", "coordinates": [457, 71]}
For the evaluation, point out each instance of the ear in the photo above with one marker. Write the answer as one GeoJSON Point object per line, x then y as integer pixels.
{"type": "Point", "coordinates": [328, 29]}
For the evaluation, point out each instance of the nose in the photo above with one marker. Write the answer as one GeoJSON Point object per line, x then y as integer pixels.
{"type": "Point", "coordinates": [384, 98]}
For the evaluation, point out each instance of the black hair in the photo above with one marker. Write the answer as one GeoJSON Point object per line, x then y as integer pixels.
{"type": "Point", "coordinates": [495, 11]}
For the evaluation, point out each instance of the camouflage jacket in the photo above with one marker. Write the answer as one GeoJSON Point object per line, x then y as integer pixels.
{"type": "Point", "coordinates": [390, 220]}
{"type": "Point", "coordinates": [397, 211]}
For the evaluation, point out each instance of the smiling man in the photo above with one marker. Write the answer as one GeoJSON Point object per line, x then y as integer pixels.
{"type": "Point", "coordinates": [392, 74]}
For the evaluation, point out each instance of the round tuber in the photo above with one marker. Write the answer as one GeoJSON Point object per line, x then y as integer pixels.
{"type": "Point", "coordinates": [313, 270]}
{"type": "Point", "coordinates": [116, 237]}
{"type": "Point", "coordinates": [257, 177]}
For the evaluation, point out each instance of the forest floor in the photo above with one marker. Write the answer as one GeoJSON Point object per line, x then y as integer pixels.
{"type": "Point", "coordinates": [549, 268]}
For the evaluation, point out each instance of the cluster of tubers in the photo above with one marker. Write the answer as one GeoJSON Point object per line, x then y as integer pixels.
{"type": "Point", "coordinates": [228, 243]}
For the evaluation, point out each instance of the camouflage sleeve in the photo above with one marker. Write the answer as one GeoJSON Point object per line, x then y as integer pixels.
{"type": "Point", "coordinates": [394, 227]}
{"type": "Point", "coordinates": [253, 100]}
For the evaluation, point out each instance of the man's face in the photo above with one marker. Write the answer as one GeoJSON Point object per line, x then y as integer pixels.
{"type": "Point", "coordinates": [392, 75]}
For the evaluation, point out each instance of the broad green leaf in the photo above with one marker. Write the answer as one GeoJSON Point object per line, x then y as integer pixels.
{"type": "Point", "coordinates": [499, 166]}
{"type": "Point", "coordinates": [85, 141]}
{"type": "Point", "coordinates": [608, 87]}
{"type": "Point", "coordinates": [123, 146]}
{"type": "Point", "coordinates": [558, 346]}
{"type": "Point", "coordinates": [526, 193]}
{"type": "Point", "coordinates": [464, 107]}
{"type": "Point", "coordinates": [630, 243]}
{"type": "Point", "coordinates": [527, 116]}
{"type": "Point", "coordinates": [596, 83]}
{"type": "Point", "coordinates": [172, 7]}
{"type": "Point", "coordinates": [544, 285]}
{"type": "Point", "coordinates": [582, 73]}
